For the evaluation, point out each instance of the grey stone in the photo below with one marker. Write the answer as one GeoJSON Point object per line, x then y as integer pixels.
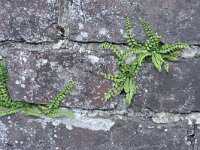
{"type": "Point", "coordinates": [26, 133]}
{"type": "Point", "coordinates": [38, 77]}
{"type": "Point", "coordinates": [175, 91]}
{"type": "Point", "coordinates": [139, 135]}
{"type": "Point", "coordinates": [197, 138]}
{"type": "Point", "coordinates": [94, 20]}
{"type": "Point", "coordinates": [31, 21]}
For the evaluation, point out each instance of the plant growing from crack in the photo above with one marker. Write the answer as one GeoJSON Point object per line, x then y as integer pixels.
{"type": "Point", "coordinates": [8, 106]}
{"type": "Point", "coordinates": [159, 53]}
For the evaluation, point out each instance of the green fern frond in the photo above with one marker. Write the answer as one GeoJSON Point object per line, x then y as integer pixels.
{"type": "Point", "coordinates": [59, 112]}
{"type": "Point", "coordinates": [133, 51]}
{"type": "Point", "coordinates": [147, 28]}
{"type": "Point", "coordinates": [166, 48]}
{"type": "Point", "coordinates": [157, 61]}
{"type": "Point", "coordinates": [56, 102]}
{"type": "Point", "coordinates": [130, 38]}
{"type": "Point", "coordinates": [172, 56]}
{"type": "Point", "coordinates": [3, 73]}
{"type": "Point", "coordinates": [130, 90]}
{"type": "Point", "coordinates": [5, 99]}
{"type": "Point", "coordinates": [113, 92]}
{"type": "Point", "coordinates": [166, 67]}
{"type": "Point", "coordinates": [142, 57]}
{"type": "Point", "coordinates": [116, 79]}
{"type": "Point", "coordinates": [112, 47]}
{"type": "Point", "coordinates": [9, 111]}
{"type": "Point", "coordinates": [32, 111]}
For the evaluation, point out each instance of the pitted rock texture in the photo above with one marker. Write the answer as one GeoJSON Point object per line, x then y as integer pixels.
{"type": "Point", "coordinates": [37, 77]}
{"type": "Point", "coordinates": [175, 91]}
{"type": "Point", "coordinates": [25, 133]}
{"type": "Point", "coordinates": [31, 21]}
{"type": "Point", "coordinates": [197, 138]}
{"type": "Point", "coordinates": [94, 20]}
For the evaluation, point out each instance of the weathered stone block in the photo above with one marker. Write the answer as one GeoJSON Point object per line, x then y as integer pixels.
{"type": "Point", "coordinates": [38, 77]}
{"type": "Point", "coordinates": [139, 135]}
{"type": "Point", "coordinates": [30, 21]}
{"type": "Point", "coordinates": [104, 20]}
{"type": "Point", "coordinates": [175, 91]}
{"type": "Point", "coordinates": [25, 133]}
{"type": "Point", "coordinates": [197, 138]}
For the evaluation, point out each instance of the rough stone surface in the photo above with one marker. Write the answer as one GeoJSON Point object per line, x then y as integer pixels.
{"type": "Point", "coordinates": [25, 133]}
{"type": "Point", "coordinates": [31, 21]}
{"type": "Point", "coordinates": [175, 91]}
{"type": "Point", "coordinates": [38, 77]}
{"type": "Point", "coordinates": [197, 138]}
{"type": "Point", "coordinates": [104, 20]}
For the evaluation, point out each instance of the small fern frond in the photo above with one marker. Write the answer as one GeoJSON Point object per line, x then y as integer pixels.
{"type": "Point", "coordinates": [32, 111]}
{"type": "Point", "coordinates": [3, 74]}
{"type": "Point", "coordinates": [142, 57]}
{"type": "Point", "coordinates": [113, 78]}
{"type": "Point", "coordinates": [129, 89]}
{"type": "Point", "coordinates": [56, 102]}
{"type": "Point", "coordinates": [130, 38]}
{"type": "Point", "coordinates": [172, 56]}
{"type": "Point", "coordinates": [9, 111]}
{"type": "Point", "coordinates": [147, 28]}
{"type": "Point", "coordinates": [166, 48]}
{"type": "Point", "coordinates": [5, 99]}
{"type": "Point", "coordinates": [59, 112]}
{"type": "Point", "coordinates": [113, 92]}
{"type": "Point", "coordinates": [112, 47]}
{"type": "Point", "coordinates": [132, 52]}
{"type": "Point", "coordinates": [166, 67]}
{"type": "Point", "coordinates": [157, 61]}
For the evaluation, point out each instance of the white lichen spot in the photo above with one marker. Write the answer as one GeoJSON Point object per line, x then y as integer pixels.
{"type": "Point", "coordinates": [84, 34]}
{"type": "Point", "coordinates": [24, 59]}
{"type": "Point", "coordinates": [17, 82]}
{"type": "Point", "coordinates": [93, 59]}
{"type": "Point", "coordinates": [79, 38]}
{"type": "Point", "coordinates": [51, 1]}
{"type": "Point", "coordinates": [103, 31]}
{"type": "Point", "coordinates": [41, 62]}
{"type": "Point", "coordinates": [80, 25]}
{"type": "Point", "coordinates": [164, 117]}
{"type": "Point", "coordinates": [16, 142]}
{"type": "Point", "coordinates": [189, 52]}
{"type": "Point", "coordinates": [3, 132]}
{"type": "Point", "coordinates": [194, 117]}
{"type": "Point", "coordinates": [55, 136]}
{"type": "Point", "coordinates": [23, 85]}
{"type": "Point", "coordinates": [58, 45]}
{"type": "Point", "coordinates": [23, 78]}
{"type": "Point", "coordinates": [121, 31]}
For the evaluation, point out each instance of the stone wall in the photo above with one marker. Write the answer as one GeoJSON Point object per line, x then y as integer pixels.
{"type": "Point", "coordinates": [48, 43]}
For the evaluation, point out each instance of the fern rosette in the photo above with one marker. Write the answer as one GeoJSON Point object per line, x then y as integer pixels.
{"type": "Point", "coordinates": [160, 53]}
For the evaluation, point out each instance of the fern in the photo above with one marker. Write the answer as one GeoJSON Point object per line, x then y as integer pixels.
{"type": "Point", "coordinates": [160, 53]}
{"type": "Point", "coordinates": [8, 106]}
